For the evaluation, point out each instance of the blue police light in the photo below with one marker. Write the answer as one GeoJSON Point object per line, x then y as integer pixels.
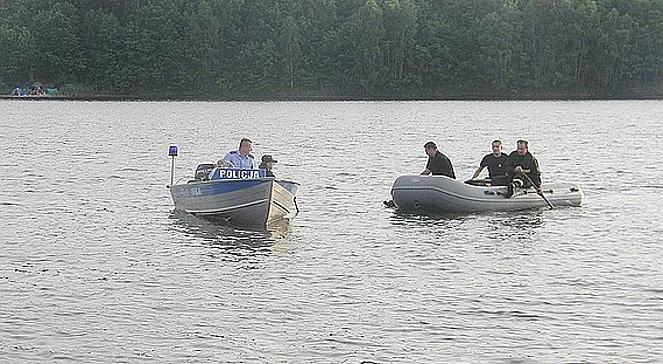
{"type": "Point", "coordinates": [172, 151]}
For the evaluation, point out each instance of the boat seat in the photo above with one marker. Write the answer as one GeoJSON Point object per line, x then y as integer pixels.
{"type": "Point", "coordinates": [478, 182]}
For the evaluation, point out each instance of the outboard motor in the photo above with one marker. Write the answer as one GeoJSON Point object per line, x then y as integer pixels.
{"type": "Point", "coordinates": [203, 171]}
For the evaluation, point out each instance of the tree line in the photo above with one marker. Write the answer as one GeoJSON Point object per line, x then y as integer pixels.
{"type": "Point", "coordinates": [335, 48]}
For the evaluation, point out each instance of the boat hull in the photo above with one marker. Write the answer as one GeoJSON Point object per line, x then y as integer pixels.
{"type": "Point", "coordinates": [250, 202]}
{"type": "Point", "coordinates": [441, 194]}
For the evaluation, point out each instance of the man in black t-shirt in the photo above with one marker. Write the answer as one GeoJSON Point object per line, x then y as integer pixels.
{"type": "Point", "coordinates": [497, 165]}
{"type": "Point", "coordinates": [438, 163]}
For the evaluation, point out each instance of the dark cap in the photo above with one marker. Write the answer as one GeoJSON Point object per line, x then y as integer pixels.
{"type": "Point", "coordinates": [430, 145]}
{"type": "Point", "coordinates": [268, 158]}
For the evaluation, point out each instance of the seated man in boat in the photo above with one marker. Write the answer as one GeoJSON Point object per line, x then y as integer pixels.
{"type": "Point", "coordinates": [16, 91]}
{"type": "Point", "coordinates": [523, 167]}
{"type": "Point", "coordinates": [241, 158]}
{"type": "Point", "coordinates": [497, 165]}
{"type": "Point", "coordinates": [438, 163]}
{"type": "Point", "coordinates": [267, 163]}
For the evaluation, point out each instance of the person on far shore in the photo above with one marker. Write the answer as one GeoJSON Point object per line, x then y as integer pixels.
{"type": "Point", "coordinates": [522, 163]}
{"type": "Point", "coordinates": [267, 163]}
{"type": "Point", "coordinates": [240, 158]}
{"type": "Point", "coordinates": [438, 163]}
{"type": "Point", "coordinates": [497, 163]}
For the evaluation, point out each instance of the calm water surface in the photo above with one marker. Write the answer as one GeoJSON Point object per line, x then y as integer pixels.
{"type": "Point", "coordinates": [95, 266]}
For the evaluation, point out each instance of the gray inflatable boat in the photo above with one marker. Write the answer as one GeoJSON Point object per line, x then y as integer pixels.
{"type": "Point", "coordinates": [441, 194]}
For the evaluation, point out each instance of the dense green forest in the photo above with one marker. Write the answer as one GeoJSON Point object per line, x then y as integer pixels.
{"type": "Point", "coordinates": [219, 49]}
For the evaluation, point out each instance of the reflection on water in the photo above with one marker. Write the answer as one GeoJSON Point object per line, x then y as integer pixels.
{"type": "Point", "coordinates": [232, 240]}
{"type": "Point", "coordinates": [96, 268]}
{"type": "Point", "coordinates": [522, 226]}
{"type": "Point", "coordinates": [523, 221]}
{"type": "Point", "coordinates": [407, 218]}
{"type": "Point", "coordinates": [479, 230]}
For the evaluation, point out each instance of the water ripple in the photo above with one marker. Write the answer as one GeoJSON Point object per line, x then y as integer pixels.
{"type": "Point", "coordinates": [95, 266]}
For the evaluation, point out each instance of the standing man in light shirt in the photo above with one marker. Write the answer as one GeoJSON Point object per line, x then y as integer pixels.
{"type": "Point", "coordinates": [240, 158]}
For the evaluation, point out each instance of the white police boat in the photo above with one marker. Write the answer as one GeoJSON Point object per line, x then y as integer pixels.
{"type": "Point", "coordinates": [441, 194]}
{"type": "Point", "coordinates": [245, 197]}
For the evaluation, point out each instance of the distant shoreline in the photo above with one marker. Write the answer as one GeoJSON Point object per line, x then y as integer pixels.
{"type": "Point", "coordinates": [111, 98]}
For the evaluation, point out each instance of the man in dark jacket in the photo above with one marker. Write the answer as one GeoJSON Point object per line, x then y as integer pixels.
{"type": "Point", "coordinates": [267, 163]}
{"type": "Point", "coordinates": [522, 163]}
{"type": "Point", "coordinates": [438, 163]}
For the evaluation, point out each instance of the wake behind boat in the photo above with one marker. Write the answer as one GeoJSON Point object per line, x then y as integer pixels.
{"type": "Point", "coordinates": [244, 197]}
{"type": "Point", "coordinates": [441, 194]}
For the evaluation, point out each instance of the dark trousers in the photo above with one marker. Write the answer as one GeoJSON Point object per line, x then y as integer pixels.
{"type": "Point", "coordinates": [499, 181]}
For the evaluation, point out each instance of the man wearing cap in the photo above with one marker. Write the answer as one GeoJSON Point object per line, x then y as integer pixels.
{"type": "Point", "coordinates": [240, 158]}
{"type": "Point", "coordinates": [267, 163]}
{"type": "Point", "coordinates": [438, 163]}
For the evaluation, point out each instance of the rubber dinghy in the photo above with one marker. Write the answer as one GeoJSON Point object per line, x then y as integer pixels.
{"type": "Point", "coordinates": [441, 194]}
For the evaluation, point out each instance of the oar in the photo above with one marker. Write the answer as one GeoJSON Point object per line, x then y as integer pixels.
{"type": "Point", "coordinates": [541, 193]}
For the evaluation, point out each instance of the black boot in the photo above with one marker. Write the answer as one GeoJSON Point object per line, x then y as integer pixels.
{"type": "Point", "coordinates": [510, 189]}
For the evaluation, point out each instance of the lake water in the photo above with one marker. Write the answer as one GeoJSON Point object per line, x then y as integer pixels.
{"type": "Point", "coordinates": [95, 266]}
